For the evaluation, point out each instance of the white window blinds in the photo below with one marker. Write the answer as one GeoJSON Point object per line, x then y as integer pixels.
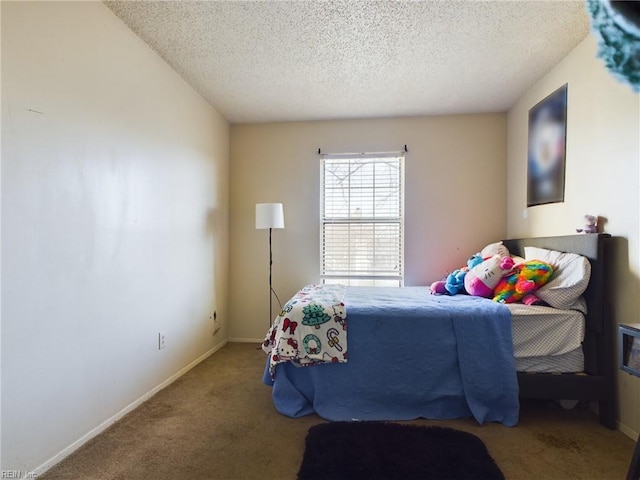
{"type": "Point", "coordinates": [362, 219]}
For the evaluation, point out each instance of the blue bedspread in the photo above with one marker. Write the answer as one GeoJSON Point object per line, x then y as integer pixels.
{"type": "Point", "coordinates": [411, 355]}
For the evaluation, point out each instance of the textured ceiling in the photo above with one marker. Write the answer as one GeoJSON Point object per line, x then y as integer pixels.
{"type": "Point", "coordinates": [308, 60]}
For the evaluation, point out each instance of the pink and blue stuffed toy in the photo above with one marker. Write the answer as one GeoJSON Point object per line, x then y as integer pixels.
{"type": "Point", "coordinates": [454, 283]}
{"type": "Point", "coordinates": [482, 279]}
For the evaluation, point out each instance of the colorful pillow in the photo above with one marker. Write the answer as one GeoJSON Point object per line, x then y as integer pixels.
{"type": "Point", "coordinates": [526, 278]}
{"type": "Point", "coordinates": [569, 281]}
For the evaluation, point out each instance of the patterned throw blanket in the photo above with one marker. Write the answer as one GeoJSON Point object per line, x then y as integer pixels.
{"type": "Point", "coordinates": [311, 328]}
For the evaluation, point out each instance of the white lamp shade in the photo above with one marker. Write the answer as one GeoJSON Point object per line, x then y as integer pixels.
{"type": "Point", "coordinates": [269, 215]}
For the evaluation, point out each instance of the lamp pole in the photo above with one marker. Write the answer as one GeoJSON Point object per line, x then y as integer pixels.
{"type": "Point", "coordinates": [270, 285]}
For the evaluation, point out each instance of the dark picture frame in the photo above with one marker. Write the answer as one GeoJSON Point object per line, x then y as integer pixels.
{"type": "Point", "coordinates": [546, 156]}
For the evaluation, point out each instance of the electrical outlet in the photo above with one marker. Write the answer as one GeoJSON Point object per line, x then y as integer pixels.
{"type": "Point", "coordinates": [161, 340]}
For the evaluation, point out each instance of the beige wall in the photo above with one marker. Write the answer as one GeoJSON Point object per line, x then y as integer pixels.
{"type": "Point", "coordinates": [114, 225]}
{"type": "Point", "coordinates": [455, 199]}
{"type": "Point", "coordinates": [602, 178]}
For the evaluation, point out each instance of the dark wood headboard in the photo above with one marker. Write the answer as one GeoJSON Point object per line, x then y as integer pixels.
{"type": "Point", "coordinates": [591, 246]}
{"type": "Point", "coordinates": [599, 342]}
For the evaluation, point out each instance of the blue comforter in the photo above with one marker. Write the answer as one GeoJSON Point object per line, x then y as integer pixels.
{"type": "Point", "coordinates": [411, 355]}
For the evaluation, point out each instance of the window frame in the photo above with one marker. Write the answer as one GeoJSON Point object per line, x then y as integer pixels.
{"type": "Point", "coordinates": [355, 277]}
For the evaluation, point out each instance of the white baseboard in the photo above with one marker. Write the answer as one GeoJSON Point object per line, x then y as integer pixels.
{"type": "Point", "coordinates": [633, 435]}
{"type": "Point", "coordinates": [246, 340]}
{"type": "Point", "coordinates": [110, 421]}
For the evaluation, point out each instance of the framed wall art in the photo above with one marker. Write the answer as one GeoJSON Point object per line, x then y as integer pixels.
{"type": "Point", "coordinates": [547, 149]}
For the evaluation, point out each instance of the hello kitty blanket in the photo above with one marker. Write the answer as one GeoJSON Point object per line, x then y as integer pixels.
{"type": "Point", "coordinates": [311, 329]}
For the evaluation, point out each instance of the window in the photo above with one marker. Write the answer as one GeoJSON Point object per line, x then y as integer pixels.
{"type": "Point", "coordinates": [362, 219]}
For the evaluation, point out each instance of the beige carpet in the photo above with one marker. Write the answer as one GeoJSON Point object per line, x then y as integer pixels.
{"type": "Point", "coordinates": [218, 422]}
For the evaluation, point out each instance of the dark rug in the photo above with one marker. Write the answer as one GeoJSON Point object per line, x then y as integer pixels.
{"type": "Point", "coordinates": [382, 450]}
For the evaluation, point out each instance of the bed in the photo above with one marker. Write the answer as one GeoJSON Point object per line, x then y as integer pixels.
{"type": "Point", "coordinates": [410, 354]}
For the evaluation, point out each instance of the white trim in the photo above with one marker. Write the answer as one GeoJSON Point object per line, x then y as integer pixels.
{"type": "Point", "coordinates": [633, 435]}
{"type": "Point", "coordinates": [57, 458]}
{"type": "Point", "coordinates": [341, 225]}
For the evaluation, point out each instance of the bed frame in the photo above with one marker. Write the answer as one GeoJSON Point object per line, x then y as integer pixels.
{"type": "Point", "coordinates": [597, 382]}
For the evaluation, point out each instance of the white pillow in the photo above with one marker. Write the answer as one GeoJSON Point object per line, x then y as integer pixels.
{"type": "Point", "coordinates": [571, 274]}
{"type": "Point", "coordinates": [517, 259]}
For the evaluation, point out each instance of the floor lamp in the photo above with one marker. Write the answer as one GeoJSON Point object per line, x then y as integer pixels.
{"type": "Point", "coordinates": [269, 215]}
